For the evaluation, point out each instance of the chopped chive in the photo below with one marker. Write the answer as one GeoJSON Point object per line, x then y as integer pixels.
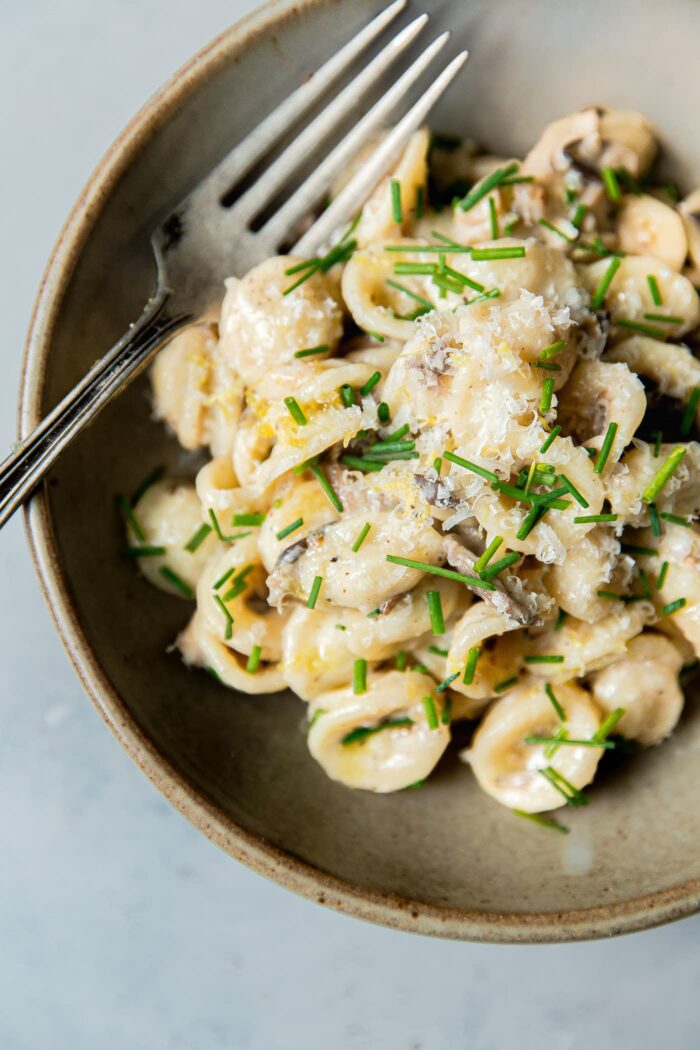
{"type": "Point", "coordinates": [436, 570]}
{"type": "Point", "coordinates": [675, 519]}
{"type": "Point", "coordinates": [468, 465]}
{"type": "Point", "coordinates": [661, 578]}
{"type": "Point", "coordinates": [367, 466]}
{"type": "Point", "coordinates": [548, 441]}
{"type": "Point", "coordinates": [431, 715]}
{"type": "Point", "coordinates": [483, 188]}
{"type": "Point", "coordinates": [544, 659]}
{"type": "Point", "coordinates": [463, 280]}
{"type": "Point", "coordinates": [546, 396]}
{"type": "Point", "coordinates": [396, 209]}
{"type": "Point", "coordinates": [356, 736]}
{"type": "Point", "coordinates": [247, 519]}
{"type": "Point", "coordinates": [401, 660]}
{"type": "Point", "coordinates": [177, 581]}
{"type": "Point", "coordinates": [340, 627]}
{"type": "Point", "coordinates": [215, 675]}
{"type": "Point", "coordinates": [533, 516]}
{"type": "Point", "coordinates": [383, 413]}
{"type": "Point", "coordinates": [488, 554]}
{"type": "Point", "coordinates": [579, 215]}
{"type": "Point", "coordinates": [396, 436]}
{"type": "Point", "coordinates": [376, 335]}
{"type": "Point", "coordinates": [359, 677]}
{"type": "Point", "coordinates": [470, 667]}
{"type": "Point", "coordinates": [672, 607]}
{"type": "Point", "coordinates": [510, 225]}
{"type": "Point", "coordinates": [387, 455]}
{"type": "Point", "coordinates": [144, 552]}
{"type": "Point", "coordinates": [315, 717]}
{"type": "Point", "coordinates": [341, 252]}
{"type": "Point", "coordinates": [150, 480]}
{"type": "Point", "coordinates": [373, 614]}
{"type": "Point", "coordinates": [559, 740]}
{"type": "Point", "coordinates": [560, 620]}
{"type": "Point", "coordinates": [361, 537]}
{"type": "Point", "coordinates": [227, 616]}
{"type": "Point", "coordinates": [548, 366]}
{"type": "Point", "coordinates": [555, 229]}
{"type": "Point", "coordinates": [612, 186]}
{"type": "Point", "coordinates": [313, 594]}
{"type": "Point", "coordinates": [497, 567]}
{"type": "Point", "coordinates": [553, 349]}
{"type": "Point", "coordinates": [605, 448]}
{"type": "Point", "coordinates": [654, 519]}
{"type": "Point", "coordinates": [502, 686]}
{"type": "Point", "coordinates": [637, 326]}
{"type": "Point", "coordinates": [560, 712]}
{"type": "Point", "coordinates": [644, 582]}
{"type": "Point", "coordinates": [493, 219]}
{"type": "Point", "coordinates": [437, 464]}
{"type": "Point", "coordinates": [529, 476]}
{"type": "Point", "coordinates": [443, 686]}
{"type": "Point", "coordinates": [662, 476]}
{"type": "Point", "coordinates": [289, 528]}
{"type": "Point", "coordinates": [347, 395]}
{"type": "Point", "coordinates": [310, 351]}
{"type": "Point", "coordinates": [254, 660]}
{"type": "Point", "coordinates": [295, 411]}
{"type": "Point", "coordinates": [437, 620]}
{"type": "Point", "coordinates": [690, 408]}
{"type": "Point", "coordinates": [571, 488]}
{"type": "Point", "coordinates": [544, 822]}
{"type": "Point", "coordinates": [223, 578]}
{"type": "Point", "coordinates": [239, 585]}
{"type": "Point", "coordinates": [371, 383]}
{"type": "Point", "coordinates": [494, 293]}
{"type": "Point", "coordinates": [608, 724]}
{"type": "Point", "coordinates": [613, 596]}
{"type": "Point", "coordinates": [127, 512]}
{"type": "Point", "coordinates": [325, 484]}
{"type": "Point", "coordinates": [217, 529]}
{"type": "Point", "coordinates": [658, 438]}
{"type": "Point", "coordinates": [605, 282]}
{"type": "Point", "coordinates": [198, 538]}
{"type": "Point", "coordinates": [632, 548]}
{"type": "Point", "coordinates": [420, 249]}
{"type": "Point", "coordinates": [487, 254]}
{"type": "Point", "coordinates": [420, 201]}
{"type": "Point", "coordinates": [412, 295]}
{"type": "Point", "coordinates": [515, 180]}
{"type": "Point", "coordinates": [664, 318]}
{"type": "Point", "coordinates": [436, 650]}
{"type": "Point", "coordinates": [654, 290]}
{"type": "Point", "coordinates": [428, 269]}
{"type": "Point", "coordinates": [573, 796]}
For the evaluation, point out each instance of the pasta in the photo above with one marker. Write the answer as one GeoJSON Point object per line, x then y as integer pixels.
{"type": "Point", "coordinates": [454, 473]}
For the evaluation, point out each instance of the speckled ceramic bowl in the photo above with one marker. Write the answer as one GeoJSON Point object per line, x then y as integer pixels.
{"type": "Point", "coordinates": [445, 860]}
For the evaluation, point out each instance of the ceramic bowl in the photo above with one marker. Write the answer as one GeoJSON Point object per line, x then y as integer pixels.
{"type": "Point", "coordinates": [444, 860]}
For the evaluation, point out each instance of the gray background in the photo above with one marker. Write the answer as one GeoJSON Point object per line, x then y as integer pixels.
{"type": "Point", "coordinates": [121, 927]}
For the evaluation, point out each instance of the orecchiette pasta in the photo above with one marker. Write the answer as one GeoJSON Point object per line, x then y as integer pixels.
{"type": "Point", "coordinates": [455, 471]}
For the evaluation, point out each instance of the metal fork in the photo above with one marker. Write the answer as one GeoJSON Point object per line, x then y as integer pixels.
{"type": "Point", "coordinates": [203, 240]}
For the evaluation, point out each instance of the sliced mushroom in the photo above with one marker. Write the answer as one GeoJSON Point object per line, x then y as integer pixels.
{"type": "Point", "coordinates": [629, 141]}
{"type": "Point", "coordinates": [501, 599]}
{"type": "Point", "coordinates": [597, 394]}
{"type": "Point", "coordinates": [547, 155]}
{"type": "Point", "coordinates": [647, 226]}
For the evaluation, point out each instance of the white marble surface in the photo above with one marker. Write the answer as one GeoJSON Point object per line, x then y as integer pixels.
{"type": "Point", "coordinates": [121, 927]}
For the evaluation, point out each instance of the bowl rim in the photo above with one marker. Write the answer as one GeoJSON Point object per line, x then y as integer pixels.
{"type": "Point", "coordinates": [279, 865]}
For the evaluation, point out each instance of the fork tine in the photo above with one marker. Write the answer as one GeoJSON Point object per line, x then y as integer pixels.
{"type": "Point", "coordinates": [247, 153]}
{"type": "Point", "coordinates": [363, 182]}
{"type": "Point", "coordinates": [301, 202]}
{"type": "Point", "coordinates": [271, 180]}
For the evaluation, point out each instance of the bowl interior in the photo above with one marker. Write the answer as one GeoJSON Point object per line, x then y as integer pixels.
{"type": "Point", "coordinates": [447, 846]}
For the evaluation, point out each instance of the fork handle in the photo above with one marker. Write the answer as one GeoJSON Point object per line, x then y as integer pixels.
{"type": "Point", "coordinates": [22, 471]}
